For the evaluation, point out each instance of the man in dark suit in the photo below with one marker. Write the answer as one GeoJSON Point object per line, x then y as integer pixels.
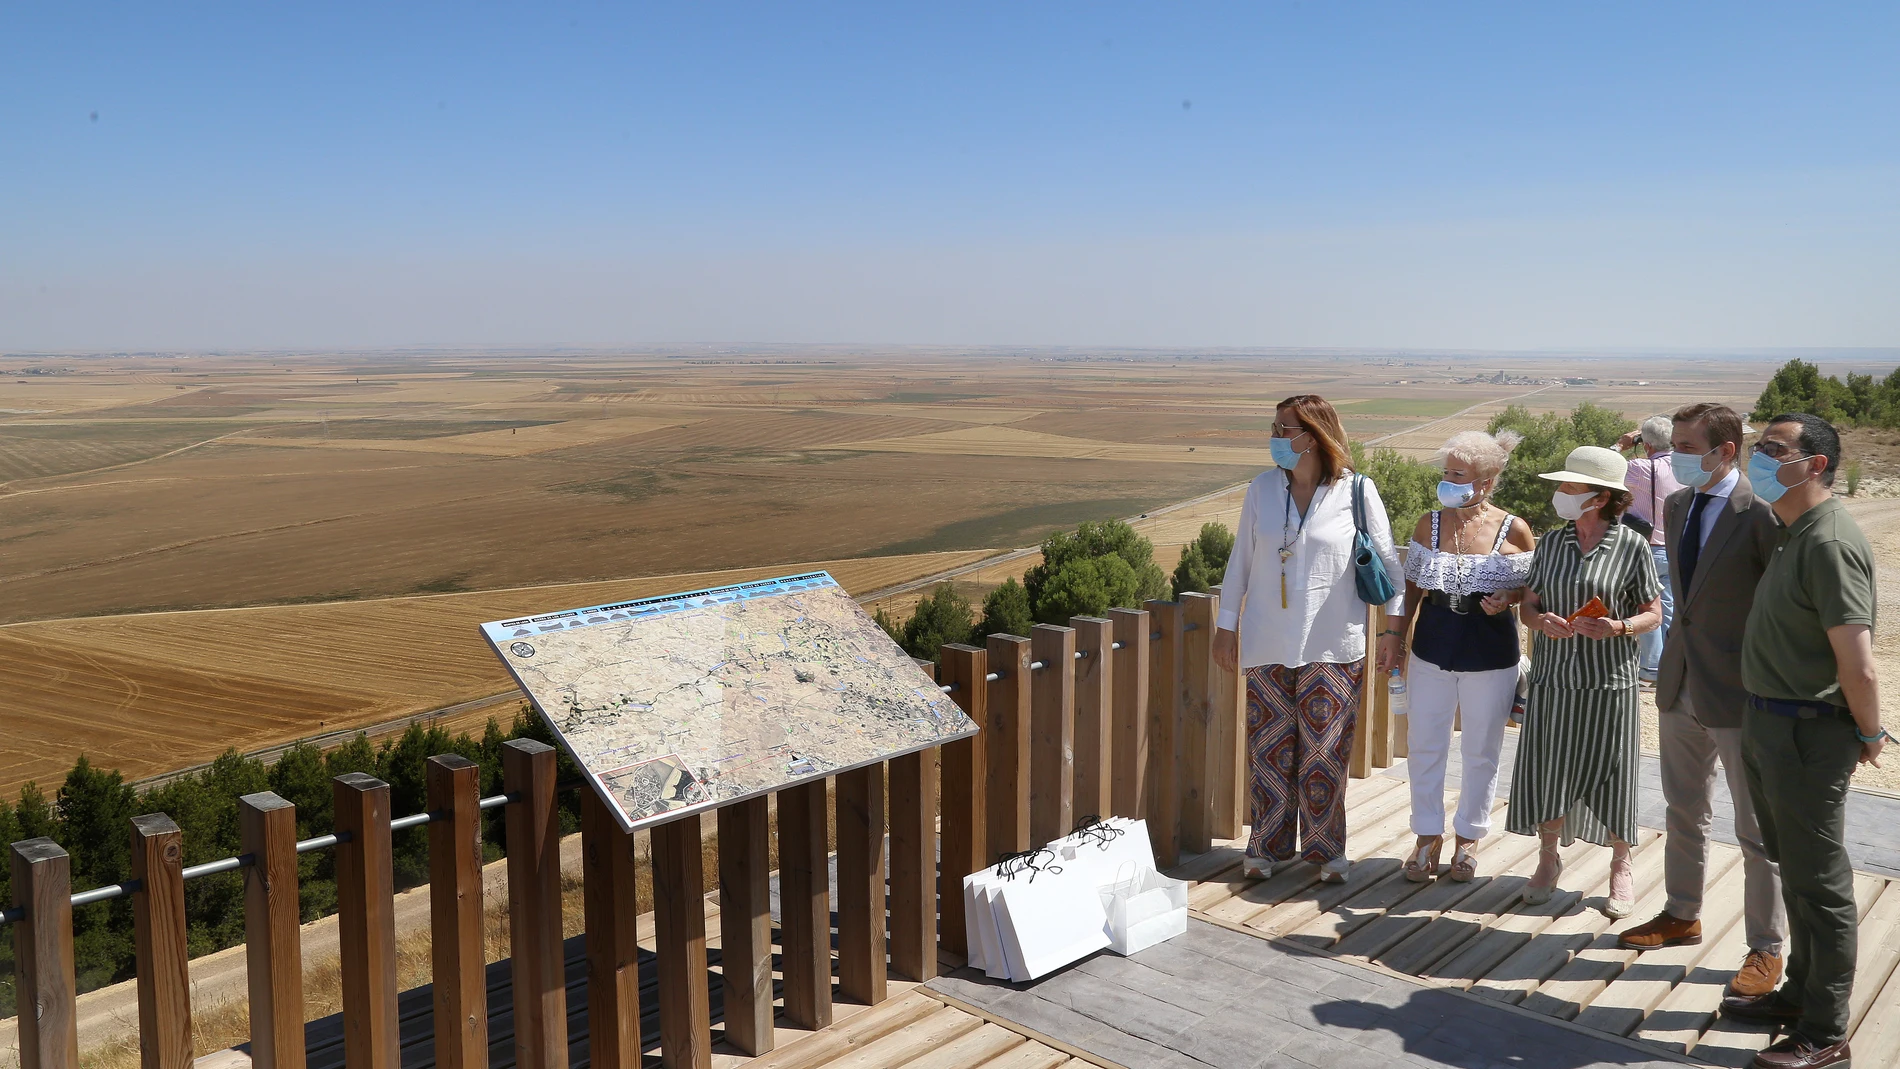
{"type": "Point", "coordinates": [1720, 538]}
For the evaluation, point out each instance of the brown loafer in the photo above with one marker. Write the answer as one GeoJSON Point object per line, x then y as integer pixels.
{"type": "Point", "coordinates": [1771, 1008]}
{"type": "Point", "coordinates": [1760, 973]}
{"type": "Point", "coordinates": [1796, 1052]}
{"type": "Point", "coordinates": [1667, 931]}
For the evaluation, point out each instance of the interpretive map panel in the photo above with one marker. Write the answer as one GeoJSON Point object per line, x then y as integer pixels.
{"type": "Point", "coordinates": [690, 701]}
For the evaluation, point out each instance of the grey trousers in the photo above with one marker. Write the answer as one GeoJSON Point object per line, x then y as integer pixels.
{"type": "Point", "coordinates": [1798, 772]}
{"type": "Point", "coordinates": [1689, 753]}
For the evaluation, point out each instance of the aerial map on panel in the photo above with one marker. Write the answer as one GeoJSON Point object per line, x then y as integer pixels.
{"type": "Point", "coordinates": [694, 700]}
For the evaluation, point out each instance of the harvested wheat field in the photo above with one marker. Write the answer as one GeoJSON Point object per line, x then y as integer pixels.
{"type": "Point", "coordinates": [157, 691]}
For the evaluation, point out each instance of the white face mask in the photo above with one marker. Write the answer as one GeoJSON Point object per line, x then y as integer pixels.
{"type": "Point", "coordinates": [1571, 506]}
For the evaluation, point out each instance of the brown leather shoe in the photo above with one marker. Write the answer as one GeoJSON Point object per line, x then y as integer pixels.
{"type": "Point", "coordinates": [1666, 931]}
{"type": "Point", "coordinates": [1771, 1008]}
{"type": "Point", "coordinates": [1760, 973]}
{"type": "Point", "coordinates": [1795, 1052]}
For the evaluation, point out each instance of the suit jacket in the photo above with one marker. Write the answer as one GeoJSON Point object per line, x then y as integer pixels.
{"type": "Point", "coordinates": [1703, 653]}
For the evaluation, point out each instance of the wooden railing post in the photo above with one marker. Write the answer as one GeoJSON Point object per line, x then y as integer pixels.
{"type": "Point", "coordinates": [1094, 714]}
{"type": "Point", "coordinates": [162, 962]}
{"type": "Point", "coordinates": [1227, 700]}
{"type": "Point", "coordinates": [534, 904]}
{"type": "Point", "coordinates": [45, 986]}
{"type": "Point", "coordinates": [913, 862]}
{"type": "Point", "coordinates": [804, 904]}
{"type": "Point", "coordinates": [1166, 678]}
{"type": "Point", "coordinates": [745, 924]}
{"type": "Point", "coordinates": [455, 912]}
{"type": "Point", "coordinates": [609, 902]}
{"type": "Point", "coordinates": [861, 965]}
{"type": "Point", "coordinates": [273, 943]}
{"type": "Point", "coordinates": [1051, 734]}
{"type": "Point", "coordinates": [679, 927]}
{"type": "Point", "coordinates": [1008, 730]}
{"type": "Point", "coordinates": [366, 921]}
{"type": "Point", "coordinates": [1199, 767]}
{"type": "Point", "coordinates": [965, 770]}
{"type": "Point", "coordinates": [1128, 789]}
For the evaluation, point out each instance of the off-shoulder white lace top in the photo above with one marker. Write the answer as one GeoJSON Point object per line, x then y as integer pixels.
{"type": "Point", "coordinates": [1430, 568]}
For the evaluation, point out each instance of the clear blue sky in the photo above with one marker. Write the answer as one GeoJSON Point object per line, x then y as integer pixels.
{"type": "Point", "coordinates": [1445, 175]}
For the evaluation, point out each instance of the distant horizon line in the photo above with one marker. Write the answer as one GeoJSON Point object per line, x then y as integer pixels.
{"type": "Point", "coordinates": [715, 349]}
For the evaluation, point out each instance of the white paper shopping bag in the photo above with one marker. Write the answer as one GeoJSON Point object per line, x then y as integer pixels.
{"type": "Point", "coordinates": [1049, 918]}
{"type": "Point", "coordinates": [1144, 909]}
{"type": "Point", "coordinates": [1111, 850]}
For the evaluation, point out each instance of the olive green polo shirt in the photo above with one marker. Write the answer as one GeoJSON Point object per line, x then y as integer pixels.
{"type": "Point", "coordinates": [1821, 576]}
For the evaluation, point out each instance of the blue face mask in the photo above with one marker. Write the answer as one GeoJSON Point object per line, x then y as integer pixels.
{"type": "Point", "coordinates": [1763, 476]}
{"type": "Point", "coordinates": [1687, 468]}
{"type": "Point", "coordinates": [1456, 495]}
{"type": "Point", "coordinates": [1283, 452]}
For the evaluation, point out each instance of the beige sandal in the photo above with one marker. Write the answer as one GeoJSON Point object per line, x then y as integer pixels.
{"type": "Point", "coordinates": [1423, 864]}
{"type": "Point", "coordinates": [1464, 861]}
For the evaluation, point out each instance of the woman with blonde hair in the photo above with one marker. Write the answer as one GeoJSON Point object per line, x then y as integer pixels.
{"type": "Point", "coordinates": [1591, 590]}
{"type": "Point", "coordinates": [1464, 570]}
{"type": "Point", "coordinates": [1303, 637]}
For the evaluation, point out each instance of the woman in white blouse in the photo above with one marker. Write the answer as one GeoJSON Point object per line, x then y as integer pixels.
{"type": "Point", "coordinates": [1290, 590]}
{"type": "Point", "coordinates": [1464, 570]}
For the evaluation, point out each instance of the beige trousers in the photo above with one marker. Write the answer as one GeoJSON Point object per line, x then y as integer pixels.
{"type": "Point", "coordinates": [1690, 750]}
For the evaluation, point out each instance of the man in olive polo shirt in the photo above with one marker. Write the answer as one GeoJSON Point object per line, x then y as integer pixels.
{"type": "Point", "coordinates": [1813, 714]}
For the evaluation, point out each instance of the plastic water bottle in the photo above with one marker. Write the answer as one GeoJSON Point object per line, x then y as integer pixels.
{"type": "Point", "coordinates": [1396, 700]}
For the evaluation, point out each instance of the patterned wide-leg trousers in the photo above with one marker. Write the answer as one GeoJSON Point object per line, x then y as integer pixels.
{"type": "Point", "coordinates": [1300, 722]}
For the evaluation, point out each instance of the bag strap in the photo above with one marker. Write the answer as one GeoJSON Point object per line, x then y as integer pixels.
{"type": "Point", "coordinates": [1359, 503]}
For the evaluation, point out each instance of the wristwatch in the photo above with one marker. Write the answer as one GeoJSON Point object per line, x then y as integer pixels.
{"type": "Point", "coordinates": [1875, 737]}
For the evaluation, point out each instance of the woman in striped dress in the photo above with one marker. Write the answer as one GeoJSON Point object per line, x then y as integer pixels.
{"type": "Point", "coordinates": [1575, 776]}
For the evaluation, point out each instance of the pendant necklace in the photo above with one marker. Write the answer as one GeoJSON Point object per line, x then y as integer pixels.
{"type": "Point", "coordinates": [1287, 540]}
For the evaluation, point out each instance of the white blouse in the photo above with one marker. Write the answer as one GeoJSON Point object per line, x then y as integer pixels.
{"type": "Point", "coordinates": [1465, 573]}
{"type": "Point", "coordinates": [1324, 622]}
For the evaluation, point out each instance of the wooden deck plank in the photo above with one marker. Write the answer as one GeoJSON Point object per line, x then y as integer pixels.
{"type": "Point", "coordinates": [975, 1047]}
{"type": "Point", "coordinates": [1564, 993]}
{"type": "Point", "coordinates": [1235, 899]}
{"type": "Point", "coordinates": [1728, 1042]}
{"type": "Point", "coordinates": [1382, 819]}
{"type": "Point", "coordinates": [1499, 893]}
{"type": "Point", "coordinates": [1586, 870]}
{"type": "Point", "coordinates": [1878, 952]}
{"type": "Point", "coordinates": [1033, 1055]}
{"type": "Point", "coordinates": [850, 1034]}
{"type": "Point", "coordinates": [912, 1041]}
{"type": "Point", "coordinates": [1518, 975]}
{"type": "Point", "coordinates": [1372, 940]}
{"type": "Point", "coordinates": [1372, 862]}
{"type": "Point", "coordinates": [1647, 977]}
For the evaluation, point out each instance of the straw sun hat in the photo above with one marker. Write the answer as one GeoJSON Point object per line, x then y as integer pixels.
{"type": "Point", "coordinates": [1592, 465]}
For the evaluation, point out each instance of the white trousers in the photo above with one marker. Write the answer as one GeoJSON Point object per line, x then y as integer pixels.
{"type": "Point", "coordinates": [1481, 701]}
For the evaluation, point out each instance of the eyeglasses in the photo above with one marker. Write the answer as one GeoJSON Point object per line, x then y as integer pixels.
{"type": "Point", "coordinates": [1281, 430]}
{"type": "Point", "coordinates": [1775, 450]}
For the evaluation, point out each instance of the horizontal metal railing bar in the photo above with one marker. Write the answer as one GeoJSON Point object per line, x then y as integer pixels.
{"type": "Point", "coordinates": [106, 893]}
{"type": "Point", "coordinates": [415, 820]}
{"type": "Point", "coordinates": [212, 868]}
{"type": "Point", "coordinates": [232, 864]}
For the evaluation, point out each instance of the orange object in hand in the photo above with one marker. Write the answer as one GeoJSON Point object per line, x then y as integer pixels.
{"type": "Point", "coordinates": [1594, 609]}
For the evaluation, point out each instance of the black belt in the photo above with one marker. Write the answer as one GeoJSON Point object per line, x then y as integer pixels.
{"type": "Point", "coordinates": [1458, 603]}
{"type": "Point", "coordinates": [1798, 710]}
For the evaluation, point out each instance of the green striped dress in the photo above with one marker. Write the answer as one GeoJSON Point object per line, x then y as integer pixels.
{"type": "Point", "coordinates": [1577, 755]}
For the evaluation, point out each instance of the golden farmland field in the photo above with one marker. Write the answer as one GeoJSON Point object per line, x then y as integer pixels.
{"type": "Point", "coordinates": [331, 499]}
